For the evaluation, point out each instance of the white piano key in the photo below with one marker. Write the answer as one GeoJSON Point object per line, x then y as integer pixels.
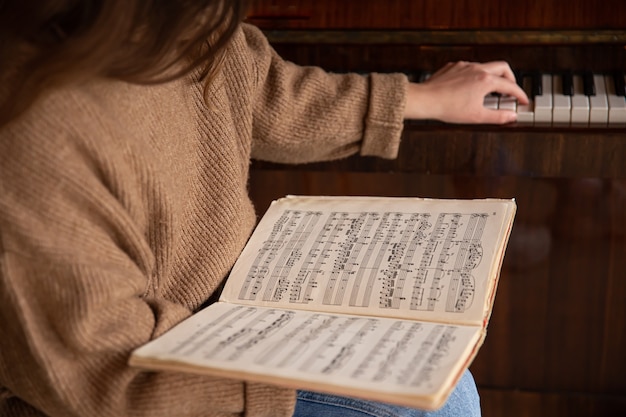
{"type": "Point", "coordinates": [561, 105]}
{"type": "Point", "coordinates": [598, 104]}
{"type": "Point", "coordinates": [491, 102]}
{"type": "Point", "coordinates": [580, 103]}
{"type": "Point", "coordinates": [543, 103]}
{"type": "Point", "coordinates": [507, 103]}
{"type": "Point", "coordinates": [617, 104]}
{"type": "Point", "coordinates": [525, 112]}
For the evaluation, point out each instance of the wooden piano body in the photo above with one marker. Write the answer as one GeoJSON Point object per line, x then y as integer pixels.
{"type": "Point", "coordinates": [556, 344]}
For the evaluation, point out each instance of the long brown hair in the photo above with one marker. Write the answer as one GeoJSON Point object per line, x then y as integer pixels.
{"type": "Point", "coordinates": [50, 43]}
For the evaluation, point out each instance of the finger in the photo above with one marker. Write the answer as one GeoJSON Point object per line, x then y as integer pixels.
{"type": "Point", "coordinates": [510, 88]}
{"type": "Point", "coordinates": [498, 117]}
{"type": "Point", "coordinates": [499, 68]}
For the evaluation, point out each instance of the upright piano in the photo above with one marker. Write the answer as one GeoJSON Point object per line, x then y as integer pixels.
{"type": "Point", "coordinates": [556, 341]}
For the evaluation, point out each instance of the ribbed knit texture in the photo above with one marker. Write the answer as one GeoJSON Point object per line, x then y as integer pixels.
{"type": "Point", "coordinates": [123, 207]}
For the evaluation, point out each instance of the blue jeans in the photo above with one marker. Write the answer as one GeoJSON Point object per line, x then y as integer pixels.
{"type": "Point", "coordinates": [463, 402]}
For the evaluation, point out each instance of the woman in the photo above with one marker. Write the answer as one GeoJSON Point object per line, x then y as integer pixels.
{"type": "Point", "coordinates": [126, 130]}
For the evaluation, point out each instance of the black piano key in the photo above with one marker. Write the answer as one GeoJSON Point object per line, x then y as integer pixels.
{"type": "Point", "coordinates": [519, 78]}
{"type": "Point", "coordinates": [589, 85]}
{"type": "Point", "coordinates": [527, 83]}
{"type": "Point", "coordinates": [537, 84]}
{"type": "Point", "coordinates": [567, 80]}
{"type": "Point", "coordinates": [618, 79]}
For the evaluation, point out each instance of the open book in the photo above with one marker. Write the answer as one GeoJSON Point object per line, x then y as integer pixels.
{"type": "Point", "coordinates": [382, 298]}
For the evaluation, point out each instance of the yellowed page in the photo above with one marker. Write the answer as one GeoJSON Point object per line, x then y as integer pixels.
{"type": "Point", "coordinates": [411, 363]}
{"type": "Point", "coordinates": [428, 259]}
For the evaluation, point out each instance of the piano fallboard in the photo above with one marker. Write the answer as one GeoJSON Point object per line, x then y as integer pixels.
{"type": "Point", "coordinates": [494, 151]}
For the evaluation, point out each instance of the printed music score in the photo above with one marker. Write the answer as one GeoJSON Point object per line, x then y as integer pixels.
{"type": "Point", "coordinates": [415, 260]}
{"type": "Point", "coordinates": [366, 349]}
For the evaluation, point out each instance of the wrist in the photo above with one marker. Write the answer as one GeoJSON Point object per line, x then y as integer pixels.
{"type": "Point", "coordinates": [418, 105]}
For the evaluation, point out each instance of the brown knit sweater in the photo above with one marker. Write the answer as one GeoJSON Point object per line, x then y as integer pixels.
{"type": "Point", "coordinates": [123, 207]}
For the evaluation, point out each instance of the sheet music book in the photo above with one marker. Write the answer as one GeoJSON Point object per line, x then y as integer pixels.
{"type": "Point", "coordinates": [383, 298]}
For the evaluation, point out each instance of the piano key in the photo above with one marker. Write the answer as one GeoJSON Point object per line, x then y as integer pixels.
{"type": "Point", "coordinates": [617, 103]}
{"type": "Point", "coordinates": [525, 112]}
{"type": "Point", "coordinates": [580, 102]}
{"type": "Point", "coordinates": [519, 78]}
{"type": "Point", "coordinates": [543, 102]}
{"type": "Point", "coordinates": [562, 104]}
{"type": "Point", "coordinates": [567, 83]}
{"type": "Point", "coordinates": [414, 76]}
{"type": "Point", "coordinates": [620, 85]}
{"type": "Point", "coordinates": [537, 83]}
{"type": "Point", "coordinates": [598, 103]}
{"type": "Point", "coordinates": [491, 102]}
{"type": "Point", "coordinates": [507, 103]}
{"type": "Point", "coordinates": [589, 84]}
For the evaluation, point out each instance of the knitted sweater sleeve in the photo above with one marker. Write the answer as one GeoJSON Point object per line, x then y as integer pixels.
{"type": "Point", "coordinates": [305, 114]}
